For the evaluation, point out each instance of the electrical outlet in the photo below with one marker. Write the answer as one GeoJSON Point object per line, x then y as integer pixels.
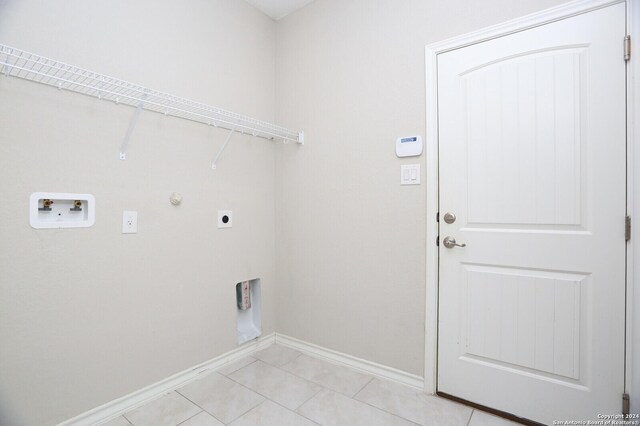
{"type": "Point", "coordinates": [225, 218]}
{"type": "Point", "coordinates": [129, 222]}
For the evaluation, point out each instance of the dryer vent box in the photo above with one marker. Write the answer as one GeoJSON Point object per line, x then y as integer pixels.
{"type": "Point", "coordinates": [249, 310]}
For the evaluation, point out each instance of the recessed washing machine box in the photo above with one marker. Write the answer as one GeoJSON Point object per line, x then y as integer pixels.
{"type": "Point", "coordinates": [51, 210]}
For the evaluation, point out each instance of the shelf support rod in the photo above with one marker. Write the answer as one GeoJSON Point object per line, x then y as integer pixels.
{"type": "Point", "coordinates": [214, 165]}
{"type": "Point", "coordinates": [132, 125]}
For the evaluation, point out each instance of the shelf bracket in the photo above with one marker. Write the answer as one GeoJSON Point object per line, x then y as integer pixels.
{"type": "Point", "coordinates": [132, 125]}
{"type": "Point", "coordinates": [214, 164]}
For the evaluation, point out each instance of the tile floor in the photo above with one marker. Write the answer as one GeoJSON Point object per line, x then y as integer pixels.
{"type": "Point", "coordinates": [279, 386]}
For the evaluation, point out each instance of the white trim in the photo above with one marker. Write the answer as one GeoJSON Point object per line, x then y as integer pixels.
{"type": "Point", "coordinates": [632, 379]}
{"type": "Point", "coordinates": [431, 52]}
{"type": "Point", "coordinates": [526, 22]}
{"type": "Point", "coordinates": [118, 407]}
{"type": "Point", "coordinates": [432, 262]}
{"type": "Point", "coordinates": [335, 357]}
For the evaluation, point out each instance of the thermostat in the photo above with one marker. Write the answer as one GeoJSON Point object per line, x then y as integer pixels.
{"type": "Point", "coordinates": [409, 146]}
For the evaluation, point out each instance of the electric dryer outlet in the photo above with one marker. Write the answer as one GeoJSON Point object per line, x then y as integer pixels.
{"type": "Point", "coordinates": [225, 218]}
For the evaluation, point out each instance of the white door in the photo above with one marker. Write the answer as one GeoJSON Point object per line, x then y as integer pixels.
{"type": "Point", "coordinates": [532, 163]}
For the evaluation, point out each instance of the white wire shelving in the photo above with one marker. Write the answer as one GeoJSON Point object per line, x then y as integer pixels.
{"type": "Point", "coordinates": [29, 66]}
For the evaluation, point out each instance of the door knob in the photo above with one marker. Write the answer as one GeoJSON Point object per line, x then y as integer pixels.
{"type": "Point", "coordinates": [450, 242]}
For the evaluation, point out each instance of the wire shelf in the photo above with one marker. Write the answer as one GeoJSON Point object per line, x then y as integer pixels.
{"type": "Point", "coordinates": [29, 66]}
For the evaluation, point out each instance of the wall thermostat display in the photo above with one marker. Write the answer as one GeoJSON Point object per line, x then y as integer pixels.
{"type": "Point", "coordinates": [409, 146]}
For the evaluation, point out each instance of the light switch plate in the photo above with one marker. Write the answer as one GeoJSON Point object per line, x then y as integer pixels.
{"type": "Point", "coordinates": [410, 174]}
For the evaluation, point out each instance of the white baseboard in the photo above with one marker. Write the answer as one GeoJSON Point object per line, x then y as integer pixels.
{"type": "Point", "coordinates": [118, 407]}
{"type": "Point", "coordinates": [378, 370]}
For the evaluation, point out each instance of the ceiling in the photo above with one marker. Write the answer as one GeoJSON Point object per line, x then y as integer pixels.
{"type": "Point", "coordinates": [278, 9]}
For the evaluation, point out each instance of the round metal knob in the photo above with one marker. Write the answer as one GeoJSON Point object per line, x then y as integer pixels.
{"type": "Point", "coordinates": [449, 217]}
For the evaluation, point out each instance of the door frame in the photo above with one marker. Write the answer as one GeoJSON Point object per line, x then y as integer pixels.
{"type": "Point", "coordinates": [632, 368]}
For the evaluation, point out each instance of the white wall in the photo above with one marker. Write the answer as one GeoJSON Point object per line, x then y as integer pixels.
{"type": "Point", "coordinates": [351, 240]}
{"type": "Point", "coordinates": [89, 315]}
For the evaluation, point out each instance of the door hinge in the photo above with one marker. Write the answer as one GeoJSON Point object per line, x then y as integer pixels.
{"type": "Point", "coordinates": [438, 241]}
{"type": "Point", "coordinates": [438, 217]}
{"type": "Point", "coordinates": [625, 403]}
{"type": "Point", "coordinates": [627, 48]}
{"type": "Point", "coordinates": [627, 228]}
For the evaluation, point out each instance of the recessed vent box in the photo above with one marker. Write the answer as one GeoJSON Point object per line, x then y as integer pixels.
{"type": "Point", "coordinates": [248, 304]}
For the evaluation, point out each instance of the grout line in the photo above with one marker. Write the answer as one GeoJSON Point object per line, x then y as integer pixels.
{"type": "Point", "coordinates": [362, 388]}
{"type": "Point", "coordinates": [322, 360]}
{"type": "Point", "coordinates": [470, 417]}
{"type": "Point", "coordinates": [385, 411]}
{"type": "Point", "coordinates": [331, 390]}
{"type": "Point", "coordinates": [246, 365]}
{"type": "Point", "coordinates": [306, 380]}
{"type": "Point", "coordinates": [307, 418]}
{"type": "Point", "coordinates": [308, 399]}
{"type": "Point", "coordinates": [382, 409]}
{"type": "Point", "coordinates": [186, 420]}
{"type": "Point", "coordinates": [216, 371]}
{"type": "Point", "coordinates": [269, 399]}
{"type": "Point", "coordinates": [248, 411]}
{"type": "Point", "coordinates": [345, 364]}
{"type": "Point", "coordinates": [180, 393]}
{"type": "Point", "coordinates": [146, 402]}
{"type": "Point", "coordinates": [197, 405]}
{"type": "Point", "coordinates": [283, 371]}
{"type": "Point", "coordinates": [278, 404]}
{"type": "Point", "coordinates": [293, 359]}
{"type": "Point", "coordinates": [333, 365]}
{"type": "Point", "coordinates": [288, 362]}
{"type": "Point", "coordinates": [402, 418]}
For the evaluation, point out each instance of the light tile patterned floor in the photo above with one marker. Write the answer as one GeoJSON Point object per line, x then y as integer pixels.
{"type": "Point", "coordinates": [279, 386]}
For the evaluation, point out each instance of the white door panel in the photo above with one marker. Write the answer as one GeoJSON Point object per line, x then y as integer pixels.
{"type": "Point", "coordinates": [532, 163]}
